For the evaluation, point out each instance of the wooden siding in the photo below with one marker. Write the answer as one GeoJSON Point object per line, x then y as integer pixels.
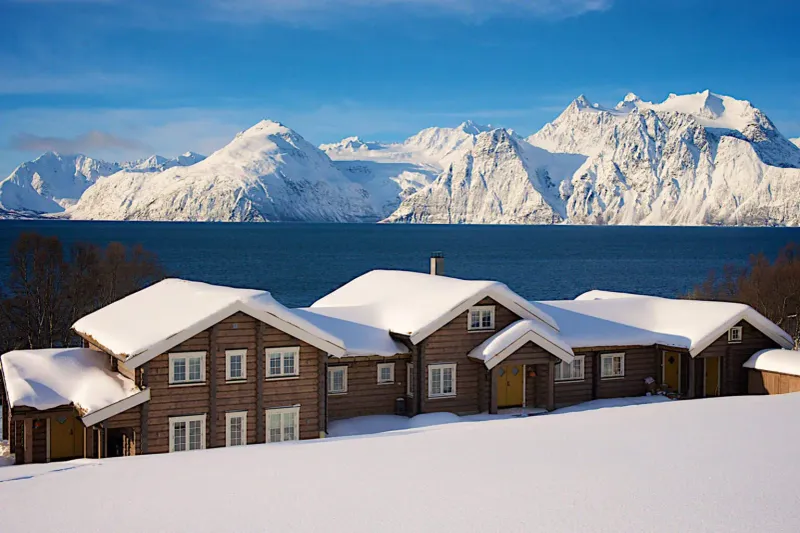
{"type": "Point", "coordinates": [239, 331]}
{"type": "Point", "coordinates": [40, 440]}
{"type": "Point", "coordinates": [734, 376]}
{"type": "Point", "coordinates": [762, 382]}
{"type": "Point", "coordinates": [365, 396]}
{"type": "Point", "coordinates": [640, 363]}
{"type": "Point", "coordinates": [573, 392]}
{"type": "Point", "coordinates": [450, 344]}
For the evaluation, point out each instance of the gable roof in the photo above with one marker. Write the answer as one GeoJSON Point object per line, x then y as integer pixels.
{"type": "Point", "coordinates": [55, 377]}
{"type": "Point", "coordinates": [416, 304]}
{"type": "Point", "coordinates": [149, 322]}
{"type": "Point", "coordinates": [779, 361]}
{"type": "Point", "coordinates": [601, 318]}
{"type": "Point", "coordinates": [498, 347]}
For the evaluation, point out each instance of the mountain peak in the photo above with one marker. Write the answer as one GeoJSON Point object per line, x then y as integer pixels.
{"type": "Point", "coordinates": [266, 127]}
{"type": "Point", "coordinates": [473, 128]}
{"type": "Point", "coordinates": [581, 102]}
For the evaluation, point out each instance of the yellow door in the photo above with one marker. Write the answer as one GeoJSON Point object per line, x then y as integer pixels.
{"type": "Point", "coordinates": [672, 370]}
{"type": "Point", "coordinates": [66, 438]}
{"type": "Point", "coordinates": [712, 374]}
{"type": "Point", "coordinates": [509, 385]}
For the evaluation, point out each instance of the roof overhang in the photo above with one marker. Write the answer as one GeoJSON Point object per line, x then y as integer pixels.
{"type": "Point", "coordinates": [752, 317]}
{"type": "Point", "coordinates": [517, 342]}
{"type": "Point", "coordinates": [95, 417]}
{"type": "Point", "coordinates": [137, 360]}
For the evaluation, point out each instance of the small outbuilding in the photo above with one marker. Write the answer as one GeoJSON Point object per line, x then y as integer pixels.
{"type": "Point", "coordinates": [773, 372]}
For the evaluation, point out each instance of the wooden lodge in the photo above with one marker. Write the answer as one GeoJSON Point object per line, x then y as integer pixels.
{"type": "Point", "coordinates": [183, 365]}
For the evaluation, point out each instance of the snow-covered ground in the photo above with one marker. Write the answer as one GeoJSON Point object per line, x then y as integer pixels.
{"type": "Point", "coordinates": [724, 464]}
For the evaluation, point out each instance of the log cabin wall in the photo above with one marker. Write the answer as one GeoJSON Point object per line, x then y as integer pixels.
{"type": "Point", "coordinates": [217, 396]}
{"type": "Point", "coordinates": [577, 391]}
{"type": "Point", "coordinates": [365, 396]}
{"type": "Point", "coordinates": [734, 375]}
{"type": "Point", "coordinates": [450, 344]}
{"type": "Point", "coordinates": [763, 382]}
{"type": "Point", "coordinates": [641, 362]}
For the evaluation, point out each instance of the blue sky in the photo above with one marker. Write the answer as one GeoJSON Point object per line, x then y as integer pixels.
{"type": "Point", "coordinates": [120, 79]}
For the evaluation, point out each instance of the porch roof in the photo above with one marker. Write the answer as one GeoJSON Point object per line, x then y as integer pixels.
{"type": "Point", "coordinates": [778, 361]}
{"type": "Point", "coordinates": [503, 344]}
{"type": "Point", "coordinates": [45, 379]}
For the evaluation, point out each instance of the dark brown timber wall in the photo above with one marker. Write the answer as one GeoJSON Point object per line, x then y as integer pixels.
{"type": "Point", "coordinates": [239, 331]}
{"type": "Point", "coordinates": [450, 344]}
{"type": "Point", "coordinates": [734, 376]}
{"type": "Point", "coordinates": [365, 396]}
{"type": "Point", "coordinates": [576, 391]}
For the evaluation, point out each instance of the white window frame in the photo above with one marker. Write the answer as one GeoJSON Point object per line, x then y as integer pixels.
{"type": "Point", "coordinates": [390, 366]}
{"type": "Point", "coordinates": [442, 367]}
{"type": "Point", "coordinates": [295, 410]}
{"type": "Point", "coordinates": [331, 370]}
{"type": "Point", "coordinates": [228, 354]}
{"type": "Point", "coordinates": [481, 309]}
{"type": "Point", "coordinates": [186, 419]}
{"type": "Point", "coordinates": [611, 356]}
{"type": "Point", "coordinates": [294, 350]}
{"type": "Point", "coordinates": [560, 370]}
{"type": "Point", "coordinates": [410, 383]}
{"type": "Point", "coordinates": [731, 335]}
{"type": "Point", "coordinates": [230, 416]}
{"type": "Point", "coordinates": [186, 356]}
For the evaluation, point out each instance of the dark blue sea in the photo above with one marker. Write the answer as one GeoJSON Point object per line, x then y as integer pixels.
{"type": "Point", "coordinates": [299, 263]}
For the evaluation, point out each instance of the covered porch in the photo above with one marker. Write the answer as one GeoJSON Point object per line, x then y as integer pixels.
{"type": "Point", "coordinates": [520, 366]}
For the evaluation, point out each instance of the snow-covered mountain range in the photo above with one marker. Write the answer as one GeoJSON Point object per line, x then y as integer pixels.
{"type": "Point", "coordinates": [53, 182]}
{"type": "Point", "coordinates": [697, 159]}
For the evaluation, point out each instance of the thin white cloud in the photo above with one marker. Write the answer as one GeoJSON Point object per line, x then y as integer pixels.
{"type": "Point", "coordinates": [87, 142]}
{"type": "Point", "coordinates": [296, 10]}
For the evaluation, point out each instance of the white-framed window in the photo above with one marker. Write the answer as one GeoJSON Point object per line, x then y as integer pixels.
{"type": "Point", "coordinates": [283, 424]}
{"type": "Point", "coordinates": [235, 365]}
{"type": "Point", "coordinates": [441, 380]}
{"type": "Point", "coordinates": [236, 428]}
{"type": "Point", "coordinates": [410, 379]}
{"type": "Point", "coordinates": [283, 362]}
{"type": "Point", "coordinates": [570, 372]}
{"type": "Point", "coordinates": [735, 335]}
{"type": "Point", "coordinates": [612, 365]}
{"type": "Point", "coordinates": [385, 373]}
{"type": "Point", "coordinates": [337, 379]}
{"type": "Point", "coordinates": [187, 433]}
{"type": "Point", "coordinates": [187, 367]}
{"type": "Point", "coordinates": [481, 318]}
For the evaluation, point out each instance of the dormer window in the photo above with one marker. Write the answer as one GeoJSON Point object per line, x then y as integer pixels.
{"type": "Point", "coordinates": [481, 318]}
{"type": "Point", "coordinates": [735, 335]}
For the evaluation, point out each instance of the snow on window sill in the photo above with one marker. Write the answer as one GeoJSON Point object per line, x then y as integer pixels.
{"type": "Point", "coordinates": [235, 380]}
{"type": "Point", "coordinates": [281, 378]}
{"type": "Point", "coordinates": [612, 378]}
{"type": "Point", "coordinates": [570, 380]}
{"type": "Point", "coordinates": [441, 396]}
{"type": "Point", "coordinates": [386, 383]}
{"type": "Point", "coordinates": [187, 384]}
{"type": "Point", "coordinates": [479, 330]}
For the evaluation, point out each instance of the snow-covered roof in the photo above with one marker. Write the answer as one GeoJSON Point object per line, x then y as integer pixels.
{"type": "Point", "coordinates": [149, 322]}
{"type": "Point", "coordinates": [780, 361]}
{"type": "Point", "coordinates": [359, 339]}
{"type": "Point", "coordinates": [49, 378]}
{"type": "Point", "coordinates": [601, 318]}
{"type": "Point", "coordinates": [504, 343]}
{"type": "Point", "coordinates": [415, 304]}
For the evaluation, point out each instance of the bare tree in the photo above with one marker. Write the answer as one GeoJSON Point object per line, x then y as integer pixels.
{"type": "Point", "coordinates": [770, 287]}
{"type": "Point", "coordinates": [47, 292]}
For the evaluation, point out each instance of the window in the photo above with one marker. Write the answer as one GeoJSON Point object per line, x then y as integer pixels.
{"type": "Point", "coordinates": [385, 373]}
{"type": "Point", "coordinates": [735, 335]}
{"type": "Point", "coordinates": [441, 380]}
{"type": "Point", "coordinates": [282, 362]}
{"type": "Point", "coordinates": [235, 365]}
{"type": "Point", "coordinates": [573, 372]}
{"type": "Point", "coordinates": [187, 433]}
{"type": "Point", "coordinates": [337, 380]}
{"type": "Point", "coordinates": [612, 365]}
{"type": "Point", "coordinates": [282, 424]}
{"type": "Point", "coordinates": [410, 380]}
{"type": "Point", "coordinates": [236, 428]}
{"type": "Point", "coordinates": [481, 318]}
{"type": "Point", "coordinates": [187, 367]}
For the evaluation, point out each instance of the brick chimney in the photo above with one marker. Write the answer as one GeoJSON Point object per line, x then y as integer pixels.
{"type": "Point", "coordinates": [437, 264]}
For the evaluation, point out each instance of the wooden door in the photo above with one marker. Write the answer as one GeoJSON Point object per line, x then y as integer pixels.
{"type": "Point", "coordinates": [510, 385]}
{"type": "Point", "coordinates": [66, 437]}
{"type": "Point", "coordinates": [671, 370]}
{"type": "Point", "coordinates": [711, 385]}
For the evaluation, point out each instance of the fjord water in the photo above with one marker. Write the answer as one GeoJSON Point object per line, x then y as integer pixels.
{"type": "Point", "coordinates": [299, 263]}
